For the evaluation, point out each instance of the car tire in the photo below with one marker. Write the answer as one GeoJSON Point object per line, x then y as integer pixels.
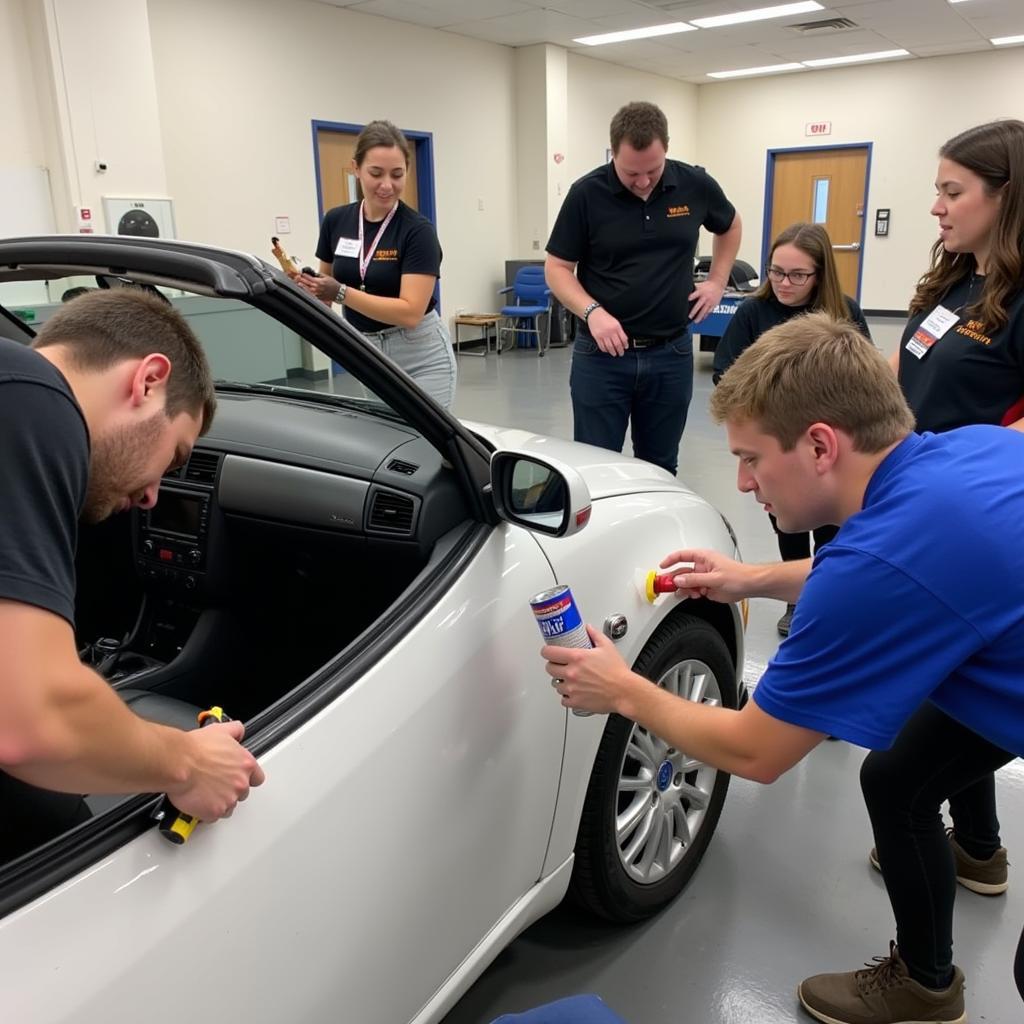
{"type": "Point", "coordinates": [632, 859]}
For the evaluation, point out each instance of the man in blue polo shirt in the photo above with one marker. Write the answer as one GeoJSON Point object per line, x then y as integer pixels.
{"type": "Point", "coordinates": [621, 258]}
{"type": "Point", "coordinates": [908, 637]}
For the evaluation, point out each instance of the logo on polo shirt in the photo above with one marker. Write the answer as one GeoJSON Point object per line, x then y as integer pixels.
{"type": "Point", "coordinates": [678, 211]}
{"type": "Point", "coordinates": [974, 329]}
{"type": "Point", "coordinates": [386, 255]}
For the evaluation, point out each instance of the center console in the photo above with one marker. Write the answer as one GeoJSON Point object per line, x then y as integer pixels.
{"type": "Point", "coordinates": [172, 544]}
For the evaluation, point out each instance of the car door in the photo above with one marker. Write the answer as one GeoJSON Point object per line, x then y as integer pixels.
{"type": "Point", "coordinates": [409, 799]}
{"type": "Point", "coordinates": [395, 829]}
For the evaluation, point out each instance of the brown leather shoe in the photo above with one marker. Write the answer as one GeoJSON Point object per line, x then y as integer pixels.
{"type": "Point", "coordinates": [882, 994]}
{"type": "Point", "coordinates": [989, 877]}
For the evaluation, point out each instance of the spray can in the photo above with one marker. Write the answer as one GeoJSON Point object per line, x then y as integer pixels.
{"type": "Point", "coordinates": [560, 622]}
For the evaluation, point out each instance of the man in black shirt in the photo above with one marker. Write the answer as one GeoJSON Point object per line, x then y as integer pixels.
{"type": "Point", "coordinates": [114, 391]}
{"type": "Point", "coordinates": [621, 258]}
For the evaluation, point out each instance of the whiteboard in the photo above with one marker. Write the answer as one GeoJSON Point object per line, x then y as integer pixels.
{"type": "Point", "coordinates": [26, 207]}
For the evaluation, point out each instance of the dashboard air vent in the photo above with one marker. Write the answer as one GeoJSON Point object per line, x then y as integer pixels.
{"type": "Point", "coordinates": [202, 467]}
{"type": "Point", "coordinates": [398, 466]}
{"type": "Point", "coordinates": [392, 512]}
{"type": "Point", "coordinates": [174, 474]}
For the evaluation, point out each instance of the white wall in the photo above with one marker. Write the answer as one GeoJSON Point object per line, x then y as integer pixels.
{"type": "Point", "coordinates": [107, 72]}
{"type": "Point", "coordinates": [20, 115]}
{"type": "Point", "coordinates": [907, 109]}
{"type": "Point", "coordinates": [239, 82]}
{"type": "Point", "coordinates": [597, 90]}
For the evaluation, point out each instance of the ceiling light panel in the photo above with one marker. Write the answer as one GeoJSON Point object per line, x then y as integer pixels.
{"type": "Point", "coordinates": [636, 33]}
{"type": "Point", "coordinates": [855, 58]}
{"type": "Point", "coordinates": [758, 14]}
{"type": "Point", "coordinates": [1006, 40]}
{"type": "Point", "coordinates": [770, 69]}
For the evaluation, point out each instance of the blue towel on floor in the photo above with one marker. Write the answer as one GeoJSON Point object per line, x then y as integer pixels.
{"type": "Point", "coordinates": [574, 1010]}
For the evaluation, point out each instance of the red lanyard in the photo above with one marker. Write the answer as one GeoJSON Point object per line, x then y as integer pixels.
{"type": "Point", "coordinates": [364, 258]}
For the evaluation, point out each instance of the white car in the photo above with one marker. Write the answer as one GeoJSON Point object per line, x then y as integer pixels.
{"type": "Point", "coordinates": [348, 568]}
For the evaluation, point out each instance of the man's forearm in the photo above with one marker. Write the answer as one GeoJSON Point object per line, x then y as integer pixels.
{"type": "Point", "coordinates": [565, 286]}
{"type": "Point", "coordinates": [706, 733]}
{"type": "Point", "coordinates": [84, 739]}
{"type": "Point", "coordinates": [724, 249]}
{"type": "Point", "coordinates": [781, 581]}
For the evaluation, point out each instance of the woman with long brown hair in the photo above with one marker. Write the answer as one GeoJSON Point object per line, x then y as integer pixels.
{"type": "Point", "coordinates": [801, 277]}
{"type": "Point", "coordinates": [380, 260]}
{"type": "Point", "coordinates": [960, 362]}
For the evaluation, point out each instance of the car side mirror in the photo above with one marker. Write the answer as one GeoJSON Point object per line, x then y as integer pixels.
{"type": "Point", "coordinates": [539, 493]}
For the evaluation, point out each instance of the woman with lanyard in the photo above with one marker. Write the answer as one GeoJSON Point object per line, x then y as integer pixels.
{"type": "Point", "coordinates": [960, 362]}
{"type": "Point", "coordinates": [801, 278]}
{"type": "Point", "coordinates": [380, 260]}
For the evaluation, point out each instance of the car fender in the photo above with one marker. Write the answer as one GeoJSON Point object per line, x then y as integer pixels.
{"type": "Point", "coordinates": [605, 566]}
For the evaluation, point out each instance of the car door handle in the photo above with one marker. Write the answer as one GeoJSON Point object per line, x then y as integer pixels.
{"type": "Point", "coordinates": [852, 247]}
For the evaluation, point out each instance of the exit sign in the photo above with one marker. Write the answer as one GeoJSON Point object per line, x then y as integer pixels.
{"type": "Point", "coordinates": [818, 128]}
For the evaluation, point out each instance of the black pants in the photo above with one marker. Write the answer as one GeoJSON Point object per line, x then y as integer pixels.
{"type": "Point", "coordinates": [934, 759]}
{"type": "Point", "coordinates": [794, 546]}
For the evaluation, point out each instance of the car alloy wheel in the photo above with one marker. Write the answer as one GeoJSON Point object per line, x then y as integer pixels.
{"type": "Point", "coordinates": [650, 810]}
{"type": "Point", "coordinates": [663, 793]}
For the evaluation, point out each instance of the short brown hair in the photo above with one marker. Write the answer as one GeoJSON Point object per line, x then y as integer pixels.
{"type": "Point", "coordinates": [813, 369]}
{"type": "Point", "coordinates": [639, 124]}
{"type": "Point", "coordinates": [103, 328]}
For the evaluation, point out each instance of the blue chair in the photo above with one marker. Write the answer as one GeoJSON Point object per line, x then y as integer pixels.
{"type": "Point", "coordinates": [532, 300]}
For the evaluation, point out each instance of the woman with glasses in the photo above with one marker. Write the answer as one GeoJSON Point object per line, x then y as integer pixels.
{"type": "Point", "coordinates": [801, 278]}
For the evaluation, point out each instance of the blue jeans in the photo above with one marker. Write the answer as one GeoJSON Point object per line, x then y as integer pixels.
{"type": "Point", "coordinates": [648, 388]}
{"type": "Point", "coordinates": [425, 353]}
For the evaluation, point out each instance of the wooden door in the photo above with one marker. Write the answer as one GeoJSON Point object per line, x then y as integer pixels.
{"type": "Point", "coordinates": [827, 187]}
{"type": "Point", "coordinates": [335, 151]}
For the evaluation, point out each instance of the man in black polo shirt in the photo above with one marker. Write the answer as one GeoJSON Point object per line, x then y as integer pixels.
{"type": "Point", "coordinates": [621, 258]}
{"type": "Point", "coordinates": [114, 390]}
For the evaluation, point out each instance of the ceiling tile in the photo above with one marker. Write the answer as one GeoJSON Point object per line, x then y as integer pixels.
{"type": "Point", "coordinates": [527, 28]}
{"type": "Point", "coordinates": [400, 10]}
{"type": "Point", "coordinates": [924, 27]}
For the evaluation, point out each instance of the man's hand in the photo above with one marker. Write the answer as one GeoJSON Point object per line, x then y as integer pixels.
{"type": "Point", "coordinates": [324, 288]}
{"type": "Point", "coordinates": [705, 296]}
{"type": "Point", "coordinates": [713, 575]}
{"type": "Point", "coordinates": [222, 771]}
{"type": "Point", "coordinates": [607, 332]}
{"type": "Point", "coordinates": [595, 680]}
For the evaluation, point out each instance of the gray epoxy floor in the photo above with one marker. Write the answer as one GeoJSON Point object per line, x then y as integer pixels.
{"type": "Point", "coordinates": [785, 889]}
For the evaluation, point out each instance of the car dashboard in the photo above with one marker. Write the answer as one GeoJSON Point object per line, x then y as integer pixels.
{"type": "Point", "coordinates": [291, 528]}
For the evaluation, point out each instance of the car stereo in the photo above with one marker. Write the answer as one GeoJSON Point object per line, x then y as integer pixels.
{"type": "Point", "coordinates": [172, 537]}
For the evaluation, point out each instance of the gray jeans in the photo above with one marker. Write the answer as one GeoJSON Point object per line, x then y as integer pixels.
{"type": "Point", "coordinates": [425, 353]}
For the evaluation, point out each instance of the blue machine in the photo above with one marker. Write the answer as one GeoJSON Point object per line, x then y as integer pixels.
{"type": "Point", "coordinates": [713, 326]}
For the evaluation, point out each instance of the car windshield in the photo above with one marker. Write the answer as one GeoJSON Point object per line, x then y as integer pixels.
{"type": "Point", "coordinates": [246, 347]}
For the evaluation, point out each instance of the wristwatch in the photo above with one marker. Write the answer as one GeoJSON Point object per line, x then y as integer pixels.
{"type": "Point", "coordinates": [590, 309]}
{"type": "Point", "coordinates": [340, 297]}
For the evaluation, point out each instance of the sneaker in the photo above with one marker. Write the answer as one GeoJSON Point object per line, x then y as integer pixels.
{"type": "Point", "coordinates": [882, 994]}
{"type": "Point", "coordinates": [783, 624]}
{"type": "Point", "coordinates": [987, 877]}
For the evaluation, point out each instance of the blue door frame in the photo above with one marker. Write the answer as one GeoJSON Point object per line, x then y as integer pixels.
{"type": "Point", "coordinates": [423, 143]}
{"type": "Point", "coordinates": [769, 191]}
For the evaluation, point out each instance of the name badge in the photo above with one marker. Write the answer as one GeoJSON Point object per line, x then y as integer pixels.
{"type": "Point", "coordinates": [933, 327]}
{"type": "Point", "coordinates": [347, 247]}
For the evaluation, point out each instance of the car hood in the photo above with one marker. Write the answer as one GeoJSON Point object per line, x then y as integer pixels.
{"type": "Point", "coordinates": [606, 473]}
